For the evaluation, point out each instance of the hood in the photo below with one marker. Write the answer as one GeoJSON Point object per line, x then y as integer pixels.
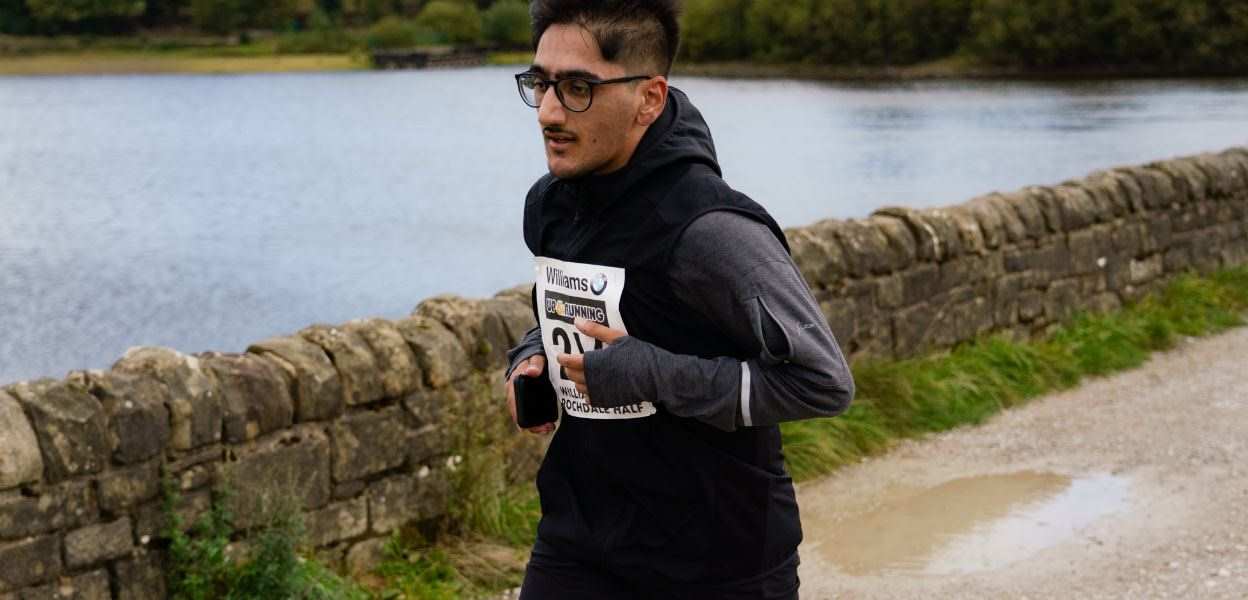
{"type": "Point", "coordinates": [680, 135]}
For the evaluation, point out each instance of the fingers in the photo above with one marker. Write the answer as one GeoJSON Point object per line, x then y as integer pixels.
{"type": "Point", "coordinates": [536, 365]}
{"type": "Point", "coordinates": [598, 331]}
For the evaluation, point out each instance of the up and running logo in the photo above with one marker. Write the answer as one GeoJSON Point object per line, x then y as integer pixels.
{"type": "Point", "coordinates": [566, 308]}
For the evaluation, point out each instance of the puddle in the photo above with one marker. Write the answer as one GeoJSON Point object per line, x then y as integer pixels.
{"type": "Point", "coordinates": [968, 525]}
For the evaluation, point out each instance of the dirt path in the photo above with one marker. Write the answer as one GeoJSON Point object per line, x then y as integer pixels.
{"type": "Point", "coordinates": [1132, 486]}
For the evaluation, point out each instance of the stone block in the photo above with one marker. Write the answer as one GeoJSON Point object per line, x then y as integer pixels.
{"type": "Point", "coordinates": [318, 388]}
{"type": "Point", "coordinates": [820, 259]}
{"type": "Point", "coordinates": [400, 373]}
{"type": "Point", "coordinates": [911, 327]}
{"type": "Point", "coordinates": [1027, 210]}
{"type": "Point", "coordinates": [368, 443]}
{"type": "Point", "coordinates": [337, 522]}
{"type": "Point", "coordinates": [1030, 305]}
{"type": "Point", "coordinates": [442, 358]}
{"type": "Point", "coordinates": [47, 508]}
{"type": "Point", "coordinates": [357, 368]}
{"type": "Point", "coordinates": [1050, 206]}
{"type": "Point", "coordinates": [935, 231]}
{"type": "Point", "coordinates": [1089, 249]}
{"type": "Point", "coordinates": [29, 562]}
{"type": "Point", "coordinates": [1005, 298]}
{"type": "Point", "coordinates": [1104, 302]}
{"type": "Point", "coordinates": [972, 236]}
{"type": "Point", "coordinates": [121, 489]}
{"type": "Point", "coordinates": [481, 331]}
{"type": "Point", "coordinates": [969, 269]}
{"type": "Point", "coordinates": [141, 577]}
{"type": "Point", "coordinates": [20, 460]}
{"type": "Point", "coordinates": [891, 291]}
{"type": "Point", "coordinates": [1189, 182]}
{"type": "Point", "coordinates": [366, 555]}
{"type": "Point", "coordinates": [194, 405]}
{"type": "Point", "coordinates": [921, 283]}
{"type": "Point", "coordinates": [515, 311]}
{"type": "Point", "coordinates": [867, 250]}
{"type": "Point", "coordinates": [137, 410]}
{"type": "Point", "coordinates": [70, 426]}
{"type": "Point", "coordinates": [1177, 259]}
{"type": "Point", "coordinates": [255, 395]}
{"type": "Point", "coordinates": [988, 211]}
{"type": "Point", "coordinates": [1061, 300]}
{"type": "Point", "coordinates": [396, 501]}
{"type": "Point", "coordinates": [1106, 194]}
{"type": "Point", "coordinates": [289, 467]}
{"type": "Point", "coordinates": [151, 521]}
{"type": "Point", "coordinates": [1147, 269]}
{"type": "Point", "coordinates": [98, 543]}
{"type": "Point", "coordinates": [901, 243]}
{"type": "Point", "coordinates": [1079, 209]}
{"type": "Point", "coordinates": [88, 586]}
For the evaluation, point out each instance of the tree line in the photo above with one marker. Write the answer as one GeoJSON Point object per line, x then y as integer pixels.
{"type": "Point", "coordinates": [1195, 35]}
{"type": "Point", "coordinates": [1199, 35]}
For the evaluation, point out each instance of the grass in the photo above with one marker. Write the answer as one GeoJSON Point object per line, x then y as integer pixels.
{"type": "Point", "coordinates": [183, 61]}
{"type": "Point", "coordinates": [913, 397]}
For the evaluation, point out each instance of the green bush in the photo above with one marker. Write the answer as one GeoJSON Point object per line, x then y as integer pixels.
{"type": "Point", "coordinates": [82, 10]}
{"type": "Point", "coordinates": [394, 32]}
{"type": "Point", "coordinates": [715, 29]}
{"type": "Point", "coordinates": [460, 22]}
{"type": "Point", "coordinates": [507, 24]}
{"type": "Point", "coordinates": [200, 569]}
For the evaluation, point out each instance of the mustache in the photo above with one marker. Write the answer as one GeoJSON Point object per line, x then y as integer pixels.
{"type": "Point", "coordinates": [556, 131]}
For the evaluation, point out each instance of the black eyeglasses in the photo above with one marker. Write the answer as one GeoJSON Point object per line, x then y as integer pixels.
{"type": "Point", "coordinates": [575, 93]}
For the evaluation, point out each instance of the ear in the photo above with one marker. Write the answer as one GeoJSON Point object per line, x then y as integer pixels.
{"type": "Point", "coordinates": [653, 100]}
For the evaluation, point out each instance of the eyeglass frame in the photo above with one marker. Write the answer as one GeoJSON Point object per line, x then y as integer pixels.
{"type": "Point", "coordinates": [554, 84]}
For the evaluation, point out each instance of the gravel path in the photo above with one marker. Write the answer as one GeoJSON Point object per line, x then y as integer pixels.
{"type": "Point", "coordinates": [1175, 431]}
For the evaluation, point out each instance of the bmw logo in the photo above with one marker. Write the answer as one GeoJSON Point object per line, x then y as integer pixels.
{"type": "Point", "coordinates": [598, 285]}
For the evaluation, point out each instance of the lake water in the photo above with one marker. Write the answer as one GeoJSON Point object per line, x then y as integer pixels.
{"type": "Point", "coordinates": [207, 212]}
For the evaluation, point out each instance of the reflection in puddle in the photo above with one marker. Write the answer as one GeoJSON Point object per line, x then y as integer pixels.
{"type": "Point", "coordinates": [972, 524]}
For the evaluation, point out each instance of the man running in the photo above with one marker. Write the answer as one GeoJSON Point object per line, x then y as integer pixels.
{"type": "Point", "coordinates": [672, 324]}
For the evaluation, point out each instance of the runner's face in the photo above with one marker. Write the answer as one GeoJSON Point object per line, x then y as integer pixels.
{"type": "Point", "coordinates": [590, 142]}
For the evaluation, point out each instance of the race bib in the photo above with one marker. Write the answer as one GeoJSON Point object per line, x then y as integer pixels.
{"type": "Point", "coordinates": [565, 291]}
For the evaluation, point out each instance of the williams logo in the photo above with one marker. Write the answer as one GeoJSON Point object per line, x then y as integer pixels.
{"type": "Point", "coordinates": [598, 284]}
{"type": "Point", "coordinates": [566, 308]}
{"type": "Point", "coordinates": [555, 276]}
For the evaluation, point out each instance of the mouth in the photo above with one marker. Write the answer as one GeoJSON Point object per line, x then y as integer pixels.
{"type": "Point", "coordinates": [559, 141]}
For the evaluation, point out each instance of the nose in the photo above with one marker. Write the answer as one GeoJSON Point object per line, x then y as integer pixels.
{"type": "Point", "coordinates": [550, 110]}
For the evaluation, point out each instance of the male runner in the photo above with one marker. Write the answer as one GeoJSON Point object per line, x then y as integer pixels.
{"type": "Point", "coordinates": [672, 323]}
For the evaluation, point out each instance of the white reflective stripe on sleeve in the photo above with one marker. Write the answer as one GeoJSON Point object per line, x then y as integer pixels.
{"type": "Point", "coordinates": [745, 395]}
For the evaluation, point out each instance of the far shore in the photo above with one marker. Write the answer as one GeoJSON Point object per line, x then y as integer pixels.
{"type": "Point", "coordinates": [203, 60]}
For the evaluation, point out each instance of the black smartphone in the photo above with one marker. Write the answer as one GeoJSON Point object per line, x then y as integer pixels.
{"type": "Point", "coordinates": [535, 401]}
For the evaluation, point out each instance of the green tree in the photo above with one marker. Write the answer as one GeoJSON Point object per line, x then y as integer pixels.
{"type": "Point", "coordinates": [507, 24]}
{"type": "Point", "coordinates": [460, 22]}
{"type": "Point", "coordinates": [715, 29]}
{"type": "Point", "coordinates": [74, 11]}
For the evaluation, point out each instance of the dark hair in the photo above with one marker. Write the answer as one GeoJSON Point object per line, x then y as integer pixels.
{"type": "Point", "coordinates": [634, 31]}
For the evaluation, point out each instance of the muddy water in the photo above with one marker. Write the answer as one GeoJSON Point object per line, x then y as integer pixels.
{"type": "Point", "coordinates": [968, 525]}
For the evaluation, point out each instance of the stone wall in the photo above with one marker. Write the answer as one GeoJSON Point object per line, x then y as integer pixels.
{"type": "Point", "coordinates": [363, 427]}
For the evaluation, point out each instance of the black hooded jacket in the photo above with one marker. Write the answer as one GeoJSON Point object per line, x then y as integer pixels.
{"type": "Point", "coordinates": [653, 496]}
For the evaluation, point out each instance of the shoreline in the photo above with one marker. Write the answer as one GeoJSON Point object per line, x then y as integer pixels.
{"type": "Point", "coordinates": [205, 61]}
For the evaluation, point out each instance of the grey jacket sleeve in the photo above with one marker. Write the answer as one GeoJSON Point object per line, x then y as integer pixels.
{"type": "Point", "coordinates": [733, 270]}
{"type": "Point", "coordinates": [529, 345]}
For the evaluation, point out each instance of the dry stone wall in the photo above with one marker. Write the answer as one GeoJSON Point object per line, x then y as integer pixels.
{"type": "Point", "coordinates": [360, 426]}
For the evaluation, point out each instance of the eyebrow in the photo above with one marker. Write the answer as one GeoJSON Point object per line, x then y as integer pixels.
{"type": "Point", "coordinates": [539, 69]}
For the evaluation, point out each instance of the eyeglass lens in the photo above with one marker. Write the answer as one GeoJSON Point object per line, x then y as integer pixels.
{"type": "Point", "coordinates": [575, 94]}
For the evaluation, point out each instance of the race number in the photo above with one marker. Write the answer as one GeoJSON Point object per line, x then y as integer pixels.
{"type": "Point", "coordinates": [565, 291]}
